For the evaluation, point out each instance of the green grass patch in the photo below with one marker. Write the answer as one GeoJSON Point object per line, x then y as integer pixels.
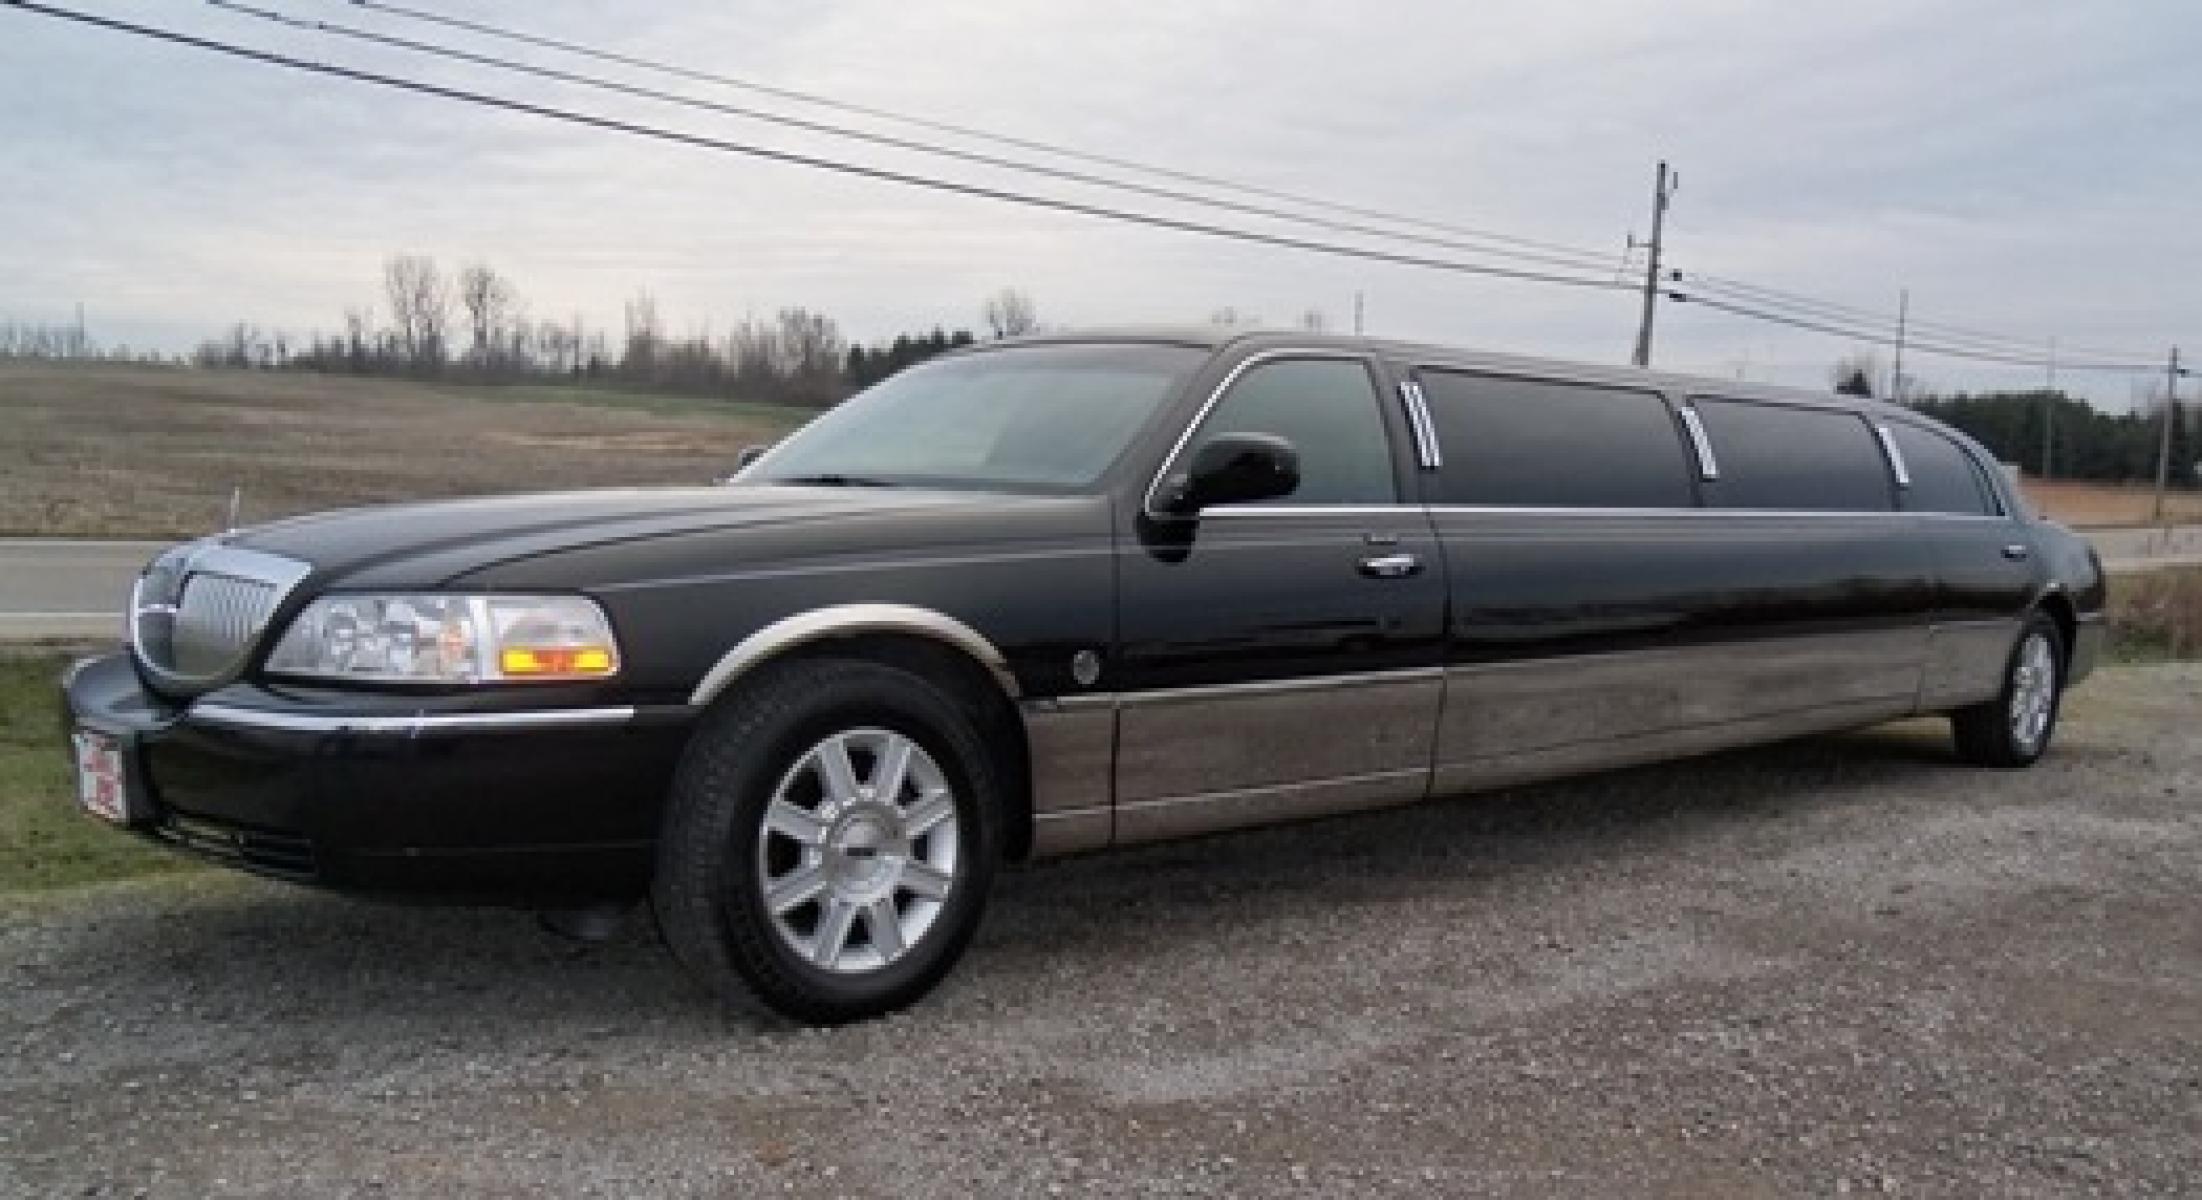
{"type": "Point", "coordinates": [46, 842]}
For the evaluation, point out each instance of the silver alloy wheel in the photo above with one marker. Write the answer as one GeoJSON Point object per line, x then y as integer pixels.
{"type": "Point", "coordinates": [2033, 692]}
{"type": "Point", "coordinates": [859, 850]}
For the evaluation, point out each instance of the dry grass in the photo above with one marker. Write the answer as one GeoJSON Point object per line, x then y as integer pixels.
{"type": "Point", "coordinates": [2079, 504]}
{"type": "Point", "coordinates": [153, 452]}
{"type": "Point", "coordinates": [2157, 614]}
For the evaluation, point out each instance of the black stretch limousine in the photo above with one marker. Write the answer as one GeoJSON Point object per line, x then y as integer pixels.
{"type": "Point", "coordinates": [1059, 594]}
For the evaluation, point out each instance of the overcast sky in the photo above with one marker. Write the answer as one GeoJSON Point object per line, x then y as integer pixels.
{"type": "Point", "coordinates": [2029, 168]}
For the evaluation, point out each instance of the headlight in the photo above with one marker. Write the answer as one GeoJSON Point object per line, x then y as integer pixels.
{"type": "Point", "coordinates": [442, 638]}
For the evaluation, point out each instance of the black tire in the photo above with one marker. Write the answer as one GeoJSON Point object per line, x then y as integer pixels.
{"type": "Point", "coordinates": [1989, 734]}
{"type": "Point", "coordinates": [712, 872]}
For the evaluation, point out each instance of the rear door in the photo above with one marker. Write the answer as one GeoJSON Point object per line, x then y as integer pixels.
{"type": "Point", "coordinates": [1825, 587]}
{"type": "Point", "coordinates": [1986, 576]}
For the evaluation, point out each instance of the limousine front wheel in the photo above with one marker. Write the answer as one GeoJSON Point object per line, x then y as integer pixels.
{"type": "Point", "coordinates": [2014, 729]}
{"type": "Point", "coordinates": [830, 841]}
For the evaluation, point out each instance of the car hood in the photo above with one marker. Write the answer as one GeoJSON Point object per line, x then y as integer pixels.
{"type": "Point", "coordinates": [430, 544]}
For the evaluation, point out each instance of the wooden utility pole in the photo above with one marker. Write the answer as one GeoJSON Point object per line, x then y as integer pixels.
{"type": "Point", "coordinates": [1662, 193]}
{"type": "Point", "coordinates": [2163, 443]}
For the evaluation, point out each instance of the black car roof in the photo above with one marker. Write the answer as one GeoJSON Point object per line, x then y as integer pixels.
{"type": "Point", "coordinates": [1221, 338]}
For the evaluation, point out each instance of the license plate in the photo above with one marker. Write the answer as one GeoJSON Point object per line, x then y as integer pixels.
{"type": "Point", "coordinates": [102, 781]}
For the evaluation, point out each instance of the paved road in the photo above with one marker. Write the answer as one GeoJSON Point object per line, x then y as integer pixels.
{"type": "Point", "coordinates": [57, 588]}
{"type": "Point", "coordinates": [1846, 965]}
{"type": "Point", "coordinates": [51, 588]}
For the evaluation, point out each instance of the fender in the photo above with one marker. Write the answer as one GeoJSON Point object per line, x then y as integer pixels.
{"type": "Point", "coordinates": [848, 620]}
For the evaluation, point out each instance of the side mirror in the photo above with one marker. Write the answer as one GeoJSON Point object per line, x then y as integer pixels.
{"type": "Point", "coordinates": [1233, 468]}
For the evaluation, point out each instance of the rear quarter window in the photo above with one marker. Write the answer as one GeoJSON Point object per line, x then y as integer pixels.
{"type": "Point", "coordinates": [1944, 479]}
{"type": "Point", "coordinates": [1776, 456]}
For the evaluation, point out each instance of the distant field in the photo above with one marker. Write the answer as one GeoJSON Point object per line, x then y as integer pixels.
{"type": "Point", "coordinates": [153, 452]}
{"type": "Point", "coordinates": [2077, 504]}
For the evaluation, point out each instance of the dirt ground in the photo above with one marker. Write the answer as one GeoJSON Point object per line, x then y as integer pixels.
{"type": "Point", "coordinates": [100, 451]}
{"type": "Point", "coordinates": [2100, 504]}
{"type": "Point", "coordinates": [1845, 965]}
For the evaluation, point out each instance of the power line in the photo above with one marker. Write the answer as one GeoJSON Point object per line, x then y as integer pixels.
{"type": "Point", "coordinates": [931, 183]}
{"type": "Point", "coordinates": [2000, 342]}
{"type": "Point", "coordinates": [898, 143]}
{"type": "Point", "coordinates": [1032, 144]}
{"type": "Point", "coordinates": [1912, 344]}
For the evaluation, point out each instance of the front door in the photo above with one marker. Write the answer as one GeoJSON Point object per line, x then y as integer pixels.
{"type": "Point", "coordinates": [1283, 658]}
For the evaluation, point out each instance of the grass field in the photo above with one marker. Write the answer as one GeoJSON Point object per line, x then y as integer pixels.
{"type": "Point", "coordinates": [100, 451]}
{"type": "Point", "coordinates": [45, 842]}
{"type": "Point", "coordinates": [2080, 505]}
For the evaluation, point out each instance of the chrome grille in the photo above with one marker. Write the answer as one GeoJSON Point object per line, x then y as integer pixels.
{"type": "Point", "coordinates": [217, 621]}
{"type": "Point", "coordinates": [199, 610]}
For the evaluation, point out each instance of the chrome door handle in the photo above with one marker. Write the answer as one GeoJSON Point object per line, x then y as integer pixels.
{"type": "Point", "coordinates": [2016, 552]}
{"type": "Point", "coordinates": [1391, 566]}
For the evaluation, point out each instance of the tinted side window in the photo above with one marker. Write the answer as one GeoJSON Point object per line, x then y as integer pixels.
{"type": "Point", "coordinates": [1327, 409]}
{"type": "Point", "coordinates": [1773, 456]}
{"type": "Point", "coordinates": [1539, 443]}
{"type": "Point", "coordinates": [1943, 478]}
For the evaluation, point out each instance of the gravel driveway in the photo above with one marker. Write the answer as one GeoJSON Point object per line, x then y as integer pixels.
{"type": "Point", "coordinates": [1842, 965]}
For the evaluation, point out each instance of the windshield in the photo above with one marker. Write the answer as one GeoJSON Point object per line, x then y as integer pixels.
{"type": "Point", "coordinates": [1040, 418]}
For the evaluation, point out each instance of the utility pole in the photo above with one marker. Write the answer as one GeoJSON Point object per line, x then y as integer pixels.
{"type": "Point", "coordinates": [1896, 372]}
{"type": "Point", "coordinates": [1357, 314]}
{"type": "Point", "coordinates": [2163, 444]}
{"type": "Point", "coordinates": [1662, 194]}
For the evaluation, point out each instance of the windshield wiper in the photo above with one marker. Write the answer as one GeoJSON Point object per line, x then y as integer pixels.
{"type": "Point", "coordinates": [829, 479]}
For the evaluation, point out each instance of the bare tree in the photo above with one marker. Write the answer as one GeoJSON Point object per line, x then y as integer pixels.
{"type": "Point", "coordinates": [420, 304]}
{"type": "Point", "coordinates": [1010, 313]}
{"type": "Point", "coordinates": [1314, 321]}
{"type": "Point", "coordinates": [488, 298]}
{"type": "Point", "coordinates": [643, 337]}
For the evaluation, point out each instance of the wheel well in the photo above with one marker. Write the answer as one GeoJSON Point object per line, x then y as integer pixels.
{"type": "Point", "coordinates": [991, 711]}
{"type": "Point", "coordinates": [2059, 608]}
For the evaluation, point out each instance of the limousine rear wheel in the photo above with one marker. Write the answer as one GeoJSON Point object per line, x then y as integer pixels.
{"type": "Point", "coordinates": [830, 840]}
{"type": "Point", "coordinates": [2014, 729]}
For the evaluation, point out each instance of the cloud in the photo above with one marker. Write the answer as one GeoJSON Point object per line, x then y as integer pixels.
{"type": "Point", "coordinates": [2011, 165]}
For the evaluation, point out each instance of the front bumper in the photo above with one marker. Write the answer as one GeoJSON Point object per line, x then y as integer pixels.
{"type": "Point", "coordinates": [447, 797]}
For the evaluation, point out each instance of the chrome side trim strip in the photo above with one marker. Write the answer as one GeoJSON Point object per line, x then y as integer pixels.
{"type": "Point", "coordinates": [1497, 709]}
{"type": "Point", "coordinates": [1895, 456]}
{"type": "Point", "coordinates": [1427, 452]}
{"type": "Point", "coordinates": [1308, 510]}
{"type": "Point", "coordinates": [1347, 510]}
{"type": "Point", "coordinates": [1708, 467]}
{"type": "Point", "coordinates": [846, 620]}
{"type": "Point", "coordinates": [1296, 683]}
{"type": "Point", "coordinates": [1147, 501]}
{"type": "Point", "coordinates": [233, 717]}
{"type": "Point", "coordinates": [1723, 513]}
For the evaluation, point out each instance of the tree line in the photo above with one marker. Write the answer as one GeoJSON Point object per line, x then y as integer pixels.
{"type": "Point", "coordinates": [2046, 432]}
{"type": "Point", "coordinates": [474, 325]}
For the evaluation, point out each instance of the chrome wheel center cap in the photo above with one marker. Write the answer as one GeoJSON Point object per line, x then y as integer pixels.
{"type": "Point", "coordinates": [864, 851]}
